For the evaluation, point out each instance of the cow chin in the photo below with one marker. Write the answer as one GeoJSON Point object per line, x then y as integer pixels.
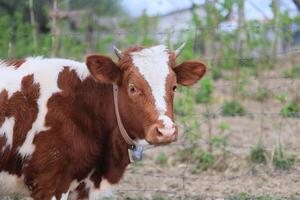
{"type": "Point", "coordinates": [155, 135]}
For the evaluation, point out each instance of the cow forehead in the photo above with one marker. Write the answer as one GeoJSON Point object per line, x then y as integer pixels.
{"type": "Point", "coordinates": [152, 63]}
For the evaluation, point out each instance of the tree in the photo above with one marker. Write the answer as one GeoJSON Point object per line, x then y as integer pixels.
{"type": "Point", "coordinates": [11, 7]}
{"type": "Point", "coordinates": [99, 7]}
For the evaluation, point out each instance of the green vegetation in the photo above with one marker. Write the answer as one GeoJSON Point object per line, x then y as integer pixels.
{"type": "Point", "coordinates": [246, 196]}
{"type": "Point", "coordinates": [291, 110]}
{"type": "Point", "coordinates": [219, 141]}
{"type": "Point", "coordinates": [224, 126]}
{"type": "Point", "coordinates": [205, 92]}
{"type": "Point", "coordinates": [233, 108]}
{"type": "Point", "coordinates": [294, 72]}
{"type": "Point", "coordinates": [202, 160]}
{"type": "Point", "coordinates": [262, 94]}
{"type": "Point", "coordinates": [258, 154]}
{"type": "Point", "coordinates": [281, 160]}
{"type": "Point", "coordinates": [161, 159]}
{"type": "Point", "coordinates": [216, 73]}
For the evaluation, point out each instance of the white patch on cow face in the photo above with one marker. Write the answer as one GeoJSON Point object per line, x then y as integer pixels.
{"type": "Point", "coordinates": [7, 130]}
{"type": "Point", "coordinates": [168, 123]}
{"type": "Point", "coordinates": [152, 63]}
{"type": "Point", "coordinates": [45, 72]}
{"type": "Point", "coordinates": [12, 184]}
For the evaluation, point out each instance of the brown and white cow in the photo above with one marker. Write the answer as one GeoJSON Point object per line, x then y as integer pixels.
{"type": "Point", "coordinates": [59, 133]}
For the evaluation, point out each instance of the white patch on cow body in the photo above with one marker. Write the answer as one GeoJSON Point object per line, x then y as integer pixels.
{"type": "Point", "coordinates": [104, 191]}
{"type": "Point", "coordinates": [142, 142]}
{"type": "Point", "coordinates": [12, 184]}
{"type": "Point", "coordinates": [68, 195]}
{"type": "Point", "coordinates": [7, 130]}
{"type": "Point", "coordinates": [45, 72]}
{"type": "Point", "coordinates": [152, 63]}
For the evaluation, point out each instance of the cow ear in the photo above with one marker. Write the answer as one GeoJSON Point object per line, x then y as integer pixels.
{"type": "Point", "coordinates": [189, 72]}
{"type": "Point", "coordinates": [103, 68]}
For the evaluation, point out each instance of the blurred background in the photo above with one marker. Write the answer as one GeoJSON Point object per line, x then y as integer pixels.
{"type": "Point", "coordinates": [240, 125]}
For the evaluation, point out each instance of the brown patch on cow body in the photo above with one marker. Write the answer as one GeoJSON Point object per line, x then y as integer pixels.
{"type": "Point", "coordinates": [22, 106]}
{"type": "Point", "coordinates": [14, 62]}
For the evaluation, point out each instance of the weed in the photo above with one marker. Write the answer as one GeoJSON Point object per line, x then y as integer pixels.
{"type": "Point", "coordinates": [291, 110]}
{"type": "Point", "coordinates": [159, 197]}
{"type": "Point", "coordinates": [233, 108]}
{"type": "Point", "coordinates": [204, 159]}
{"type": "Point", "coordinates": [223, 126]}
{"type": "Point", "coordinates": [161, 159]}
{"type": "Point", "coordinates": [201, 159]}
{"type": "Point", "coordinates": [246, 196]}
{"type": "Point", "coordinates": [262, 94]}
{"type": "Point", "coordinates": [258, 154]}
{"type": "Point", "coordinates": [294, 72]}
{"type": "Point", "coordinates": [281, 160]}
{"type": "Point", "coordinates": [281, 97]}
{"type": "Point", "coordinates": [218, 141]}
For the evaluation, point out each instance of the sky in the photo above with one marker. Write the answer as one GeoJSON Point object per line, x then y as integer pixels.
{"type": "Point", "coordinates": [254, 8]}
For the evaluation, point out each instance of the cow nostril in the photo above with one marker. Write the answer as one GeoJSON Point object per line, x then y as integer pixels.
{"type": "Point", "coordinates": [158, 132]}
{"type": "Point", "coordinates": [167, 132]}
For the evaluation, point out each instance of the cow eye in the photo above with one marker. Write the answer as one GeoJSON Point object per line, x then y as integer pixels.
{"type": "Point", "coordinates": [132, 89]}
{"type": "Point", "coordinates": [174, 88]}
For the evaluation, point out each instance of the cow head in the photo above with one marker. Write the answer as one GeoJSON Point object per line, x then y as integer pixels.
{"type": "Point", "coordinates": [147, 79]}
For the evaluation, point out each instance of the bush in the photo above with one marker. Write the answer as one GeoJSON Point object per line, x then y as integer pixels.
{"type": "Point", "coordinates": [206, 90]}
{"type": "Point", "coordinates": [258, 154]}
{"type": "Point", "coordinates": [291, 110]}
{"type": "Point", "coordinates": [281, 160]}
{"type": "Point", "coordinates": [233, 108]}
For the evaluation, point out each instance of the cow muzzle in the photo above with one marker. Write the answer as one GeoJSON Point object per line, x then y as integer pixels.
{"type": "Point", "coordinates": [158, 134]}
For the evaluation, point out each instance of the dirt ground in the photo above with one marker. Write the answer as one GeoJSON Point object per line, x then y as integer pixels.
{"type": "Point", "coordinates": [176, 180]}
